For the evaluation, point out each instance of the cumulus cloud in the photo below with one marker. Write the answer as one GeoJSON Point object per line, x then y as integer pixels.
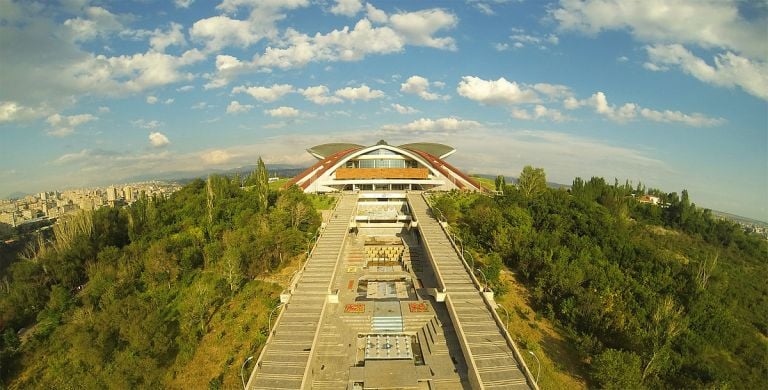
{"type": "Point", "coordinates": [11, 111]}
{"type": "Point", "coordinates": [185, 88]}
{"type": "Point", "coordinates": [375, 15]}
{"type": "Point", "coordinates": [95, 22]}
{"type": "Point", "coordinates": [160, 39]}
{"type": "Point", "coordinates": [668, 26]}
{"type": "Point", "coordinates": [347, 7]}
{"type": "Point", "coordinates": [282, 112]}
{"type": "Point", "coordinates": [294, 49]}
{"type": "Point", "coordinates": [218, 32]}
{"type": "Point", "coordinates": [319, 94]}
{"type": "Point", "coordinates": [158, 140]}
{"type": "Point", "coordinates": [629, 111]}
{"type": "Point", "coordinates": [235, 107]}
{"type": "Point", "coordinates": [521, 39]}
{"type": "Point", "coordinates": [695, 119]}
{"type": "Point", "coordinates": [362, 92]}
{"type": "Point", "coordinates": [420, 86]}
{"type": "Point", "coordinates": [426, 125]}
{"type": "Point", "coordinates": [265, 94]}
{"type": "Point", "coordinates": [104, 109]}
{"type": "Point", "coordinates": [403, 109]}
{"type": "Point", "coordinates": [420, 27]}
{"type": "Point", "coordinates": [151, 99]}
{"type": "Point", "coordinates": [498, 91]}
{"type": "Point", "coordinates": [221, 31]}
{"type": "Point", "coordinates": [216, 157]}
{"type": "Point", "coordinates": [705, 23]}
{"type": "Point", "coordinates": [62, 125]}
{"type": "Point", "coordinates": [728, 70]}
{"type": "Point", "coordinates": [539, 112]}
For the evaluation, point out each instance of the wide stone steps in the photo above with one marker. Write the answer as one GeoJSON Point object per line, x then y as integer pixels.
{"type": "Point", "coordinates": [494, 362]}
{"type": "Point", "coordinates": [285, 358]}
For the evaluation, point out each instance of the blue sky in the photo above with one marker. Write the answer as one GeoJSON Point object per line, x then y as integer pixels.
{"type": "Point", "coordinates": [670, 93]}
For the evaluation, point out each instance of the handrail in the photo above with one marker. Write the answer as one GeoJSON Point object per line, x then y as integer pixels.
{"type": "Point", "coordinates": [494, 314]}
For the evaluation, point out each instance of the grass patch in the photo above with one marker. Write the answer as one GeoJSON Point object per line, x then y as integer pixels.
{"type": "Point", "coordinates": [322, 202]}
{"type": "Point", "coordinates": [560, 364]}
{"type": "Point", "coordinates": [488, 184]}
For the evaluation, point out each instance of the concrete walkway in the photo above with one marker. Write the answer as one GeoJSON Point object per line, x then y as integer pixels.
{"type": "Point", "coordinates": [491, 361]}
{"type": "Point", "coordinates": [284, 360]}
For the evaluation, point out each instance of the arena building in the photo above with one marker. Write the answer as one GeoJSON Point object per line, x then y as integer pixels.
{"type": "Point", "coordinates": [382, 167]}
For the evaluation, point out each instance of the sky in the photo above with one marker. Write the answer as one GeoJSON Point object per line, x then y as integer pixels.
{"type": "Point", "coordinates": [668, 93]}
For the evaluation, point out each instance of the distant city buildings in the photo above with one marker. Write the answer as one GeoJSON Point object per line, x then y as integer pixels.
{"type": "Point", "coordinates": [54, 204]}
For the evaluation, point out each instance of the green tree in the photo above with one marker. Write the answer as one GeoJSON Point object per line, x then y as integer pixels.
{"type": "Point", "coordinates": [500, 183]}
{"type": "Point", "coordinates": [615, 369]}
{"type": "Point", "coordinates": [532, 181]}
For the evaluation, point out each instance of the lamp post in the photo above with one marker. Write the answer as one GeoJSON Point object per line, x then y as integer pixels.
{"type": "Point", "coordinates": [505, 312]}
{"type": "Point", "coordinates": [484, 278]}
{"type": "Point", "coordinates": [242, 367]}
{"type": "Point", "coordinates": [538, 371]}
{"type": "Point", "coordinates": [269, 321]}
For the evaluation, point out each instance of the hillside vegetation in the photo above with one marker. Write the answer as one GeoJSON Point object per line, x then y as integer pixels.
{"type": "Point", "coordinates": [650, 296]}
{"type": "Point", "coordinates": [158, 295]}
{"type": "Point", "coordinates": [175, 293]}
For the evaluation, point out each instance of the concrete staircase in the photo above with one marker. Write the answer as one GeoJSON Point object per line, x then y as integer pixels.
{"type": "Point", "coordinates": [284, 360]}
{"type": "Point", "coordinates": [490, 359]}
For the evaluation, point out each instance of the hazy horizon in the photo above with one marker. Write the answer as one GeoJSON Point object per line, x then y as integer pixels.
{"type": "Point", "coordinates": [669, 94]}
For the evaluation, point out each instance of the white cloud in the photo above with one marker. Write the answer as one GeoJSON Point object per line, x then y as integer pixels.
{"type": "Point", "coordinates": [160, 40]}
{"type": "Point", "coordinates": [553, 91]}
{"type": "Point", "coordinates": [403, 109]}
{"type": "Point", "coordinates": [282, 112]}
{"type": "Point", "coordinates": [11, 111]}
{"type": "Point", "coordinates": [218, 32]}
{"type": "Point", "coordinates": [667, 26]}
{"type": "Point", "coordinates": [362, 92]}
{"type": "Point", "coordinates": [347, 7]}
{"type": "Point", "coordinates": [485, 8]}
{"type": "Point", "coordinates": [420, 86]}
{"type": "Point", "coordinates": [695, 119]}
{"type": "Point", "coordinates": [338, 45]}
{"type": "Point", "coordinates": [729, 69]}
{"type": "Point", "coordinates": [183, 3]}
{"type": "Point", "coordinates": [498, 91]}
{"type": "Point", "coordinates": [201, 106]}
{"type": "Point", "coordinates": [96, 22]}
{"type": "Point", "coordinates": [151, 99]}
{"type": "Point", "coordinates": [539, 112]}
{"type": "Point", "coordinates": [235, 107]}
{"type": "Point", "coordinates": [158, 140]}
{"type": "Point", "coordinates": [216, 157]}
{"type": "Point", "coordinates": [265, 94]}
{"type": "Point", "coordinates": [629, 111]}
{"type": "Point", "coordinates": [153, 124]}
{"type": "Point", "coordinates": [185, 88]}
{"type": "Point", "coordinates": [520, 39]}
{"type": "Point", "coordinates": [420, 27]}
{"type": "Point", "coordinates": [221, 31]}
{"type": "Point", "coordinates": [426, 125]}
{"type": "Point", "coordinates": [375, 15]}
{"type": "Point", "coordinates": [65, 125]}
{"type": "Point", "coordinates": [169, 101]}
{"type": "Point", "coordinates": [104, 109]}
{"type": "Point", "coordinates": [319, 95]}
{"type": "Point", "coordinates": [705, 23]}
{"type": "Point", "coordinates": [501, 46]}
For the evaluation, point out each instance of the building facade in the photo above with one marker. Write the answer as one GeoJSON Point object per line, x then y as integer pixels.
{"type": "Point", "coordinates": [382, 167]}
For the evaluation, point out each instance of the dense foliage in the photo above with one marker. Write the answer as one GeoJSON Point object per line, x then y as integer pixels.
{"type": "Point", "coordinates": [654, 296]}
{"type": "Point", "coordinates": [122, 297]}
